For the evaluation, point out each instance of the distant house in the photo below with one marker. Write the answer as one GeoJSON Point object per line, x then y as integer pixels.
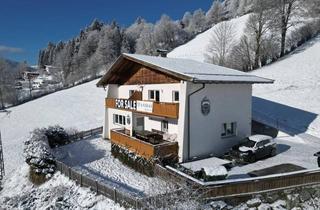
{"type": "Point", "coordinates": [30, 75]}
{"type": "Point", "coordinates": [205, 109]}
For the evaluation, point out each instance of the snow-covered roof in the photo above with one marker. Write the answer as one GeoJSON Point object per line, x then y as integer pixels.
{"type": "Point", "coordinates": [257, 138]}
{"type": "Point", "coordinates": [199, 72]}
{"type": "Point", "coordinates": [185, 69]}
{"type": "Point", "coordinates": [205, 163]}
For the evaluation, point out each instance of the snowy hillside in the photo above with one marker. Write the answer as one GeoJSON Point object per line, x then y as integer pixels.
{"type": "Point", "coordinates": [297, 84]}
{"type": "Point", "coordinates": [295, 97]}
{"type": "Point", "coordinates": [80, 107]}
{"type": "Point", "coordinates": [197, 47]}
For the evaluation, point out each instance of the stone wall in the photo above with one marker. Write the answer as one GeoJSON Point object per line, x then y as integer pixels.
{"type": "Point", "coordinates": [297, 198]}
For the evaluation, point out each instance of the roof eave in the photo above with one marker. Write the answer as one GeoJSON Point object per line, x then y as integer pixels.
{"type": "Point", "coordinates": [231, 82]}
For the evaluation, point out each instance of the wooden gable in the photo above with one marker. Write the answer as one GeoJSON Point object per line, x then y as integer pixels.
{"type": "Point", "coordinates": [144, 75]}
{"type": "Point", "coordinates": [131, 72]}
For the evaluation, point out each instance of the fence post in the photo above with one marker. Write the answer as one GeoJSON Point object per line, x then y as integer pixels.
{"type": "Point", "coordinates": [69, 169]}
{"type": "Point", "coordinates": [114, 194]}
{"type": "Point", "coordinates": [80, 180]}
{"type": "Point", "coordinates": [97, 187]}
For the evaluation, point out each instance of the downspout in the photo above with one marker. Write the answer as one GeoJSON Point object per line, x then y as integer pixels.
{"type": "Point", "coordinates": [189, 96]}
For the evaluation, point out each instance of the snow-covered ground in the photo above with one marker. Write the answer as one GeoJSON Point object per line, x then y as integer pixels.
{"type": "Point", "coordinates": [57, 193]}
{"type": "Point", "coordinates": [93, 157]}
{"type": "Point", "coordinates": [81, 107]}
{"type": "Point", "coordinates": [294, 98]}
{"type": "Point", "coordinates": [290, 149]}
{"type": "Point", "coordinates": [197, 48]}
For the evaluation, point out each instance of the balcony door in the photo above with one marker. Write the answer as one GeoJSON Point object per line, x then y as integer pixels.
{"type": "Point", "coordinates": [139, 124]}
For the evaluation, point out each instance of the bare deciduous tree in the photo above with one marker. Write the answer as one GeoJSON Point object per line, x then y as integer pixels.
{"type": "Point", "coordinates": [241, 57]}
{"type": "Point", "coordinates": [257, 28]}
{"type": "Point", "coordinates": [221, 43]}
{"type": "Point", "coordinates": [285, 15]}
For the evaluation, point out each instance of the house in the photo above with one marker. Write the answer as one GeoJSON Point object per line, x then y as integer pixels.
{"type": "Point", "coordinates": [30, 75]}
{"type": "Point", "coordinates": [155, 105]}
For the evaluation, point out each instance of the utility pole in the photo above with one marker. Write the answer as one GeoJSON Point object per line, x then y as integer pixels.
{"type": "Point", "coordinates": [1, 160]}
{"type": "Point", "coordinates": [30, 87]}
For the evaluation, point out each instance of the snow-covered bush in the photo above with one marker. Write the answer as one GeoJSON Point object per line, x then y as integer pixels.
{"type": "Point", "coordinates": [56, 135]}
{"type": "Point", "coordinates": [132, 160]}
{"type": "Point", "coordinates": [38, 154]}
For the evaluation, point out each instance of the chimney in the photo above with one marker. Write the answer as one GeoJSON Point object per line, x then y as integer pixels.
{"type": "Point", "coordinates": [163, 53]}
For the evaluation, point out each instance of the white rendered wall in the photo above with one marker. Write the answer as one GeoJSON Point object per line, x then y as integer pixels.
{"type": "Point", "coordinates": [155, 123]}
{"type": "Point", "coordinates": [229, 103]}
{"type": "Point", "coordinates": [111, 92]}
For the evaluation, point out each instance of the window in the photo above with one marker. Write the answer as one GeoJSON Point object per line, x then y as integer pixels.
{"type": "Point", "coordinates": [119, 119]}
{"type": "Point", "coordinates": [260, 144]}
{"type": "Point", "coordinates": [164, 126]}
{"type": "Point", "coordinates": [175, 96]}
{"type": "Point", "coordinates": [229, 129]}
{"type": "Point", "coordinates": [131, 92]}
{"type": "Point", "coordinates": [154, 95]}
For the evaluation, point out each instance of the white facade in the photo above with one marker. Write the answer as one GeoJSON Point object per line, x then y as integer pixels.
{"type": "Point", "coordinates": [229, 103]}
{"type": "Point", "coordinates": [214, 102]}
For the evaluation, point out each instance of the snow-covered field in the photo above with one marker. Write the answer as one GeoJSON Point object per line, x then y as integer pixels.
{"type": "Point", "coordinates": [296, 90]}
{"type": "Point", "coordinates": [93, 157]}
{"type": "Point", "coordinates": [290, 149]}
{"type": "Point", "coordinates": [81, 107]}
{"type": "Point", "coordinates": [197, 48]}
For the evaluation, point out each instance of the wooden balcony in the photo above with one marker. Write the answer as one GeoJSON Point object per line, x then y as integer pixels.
{"type": "Point", "coordinates": [142, 148]}
{"type": "Point", "coordinates": [161, 109]}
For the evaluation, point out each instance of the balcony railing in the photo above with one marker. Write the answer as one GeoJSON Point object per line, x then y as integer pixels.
{"type": "Point", "coordinates": [142, 148]}
{"type": "Point", "coordinates": [170, 110]}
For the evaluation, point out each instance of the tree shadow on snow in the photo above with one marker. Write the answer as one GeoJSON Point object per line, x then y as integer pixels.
{"type": "Point", "coordinates": [283, 117]}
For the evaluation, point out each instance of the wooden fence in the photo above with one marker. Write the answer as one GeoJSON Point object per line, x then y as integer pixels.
{"type": "Point", "coordinates": [118, 196]}
{"type": "Point", "coordinates": [85, 134]}
{"type": "Point", "coordinates": [249, 186]}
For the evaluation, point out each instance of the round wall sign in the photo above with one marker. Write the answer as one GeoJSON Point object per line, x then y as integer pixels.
{"type": "Point", "coordinates": [205, 106]}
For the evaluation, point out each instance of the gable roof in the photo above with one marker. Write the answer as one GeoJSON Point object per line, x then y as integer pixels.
{"type": "Point", "coordinates": [186, 69]}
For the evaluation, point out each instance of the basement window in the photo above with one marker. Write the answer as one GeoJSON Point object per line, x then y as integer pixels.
{"type": "Point", "coordinates": [119, 119]}
{"type": "Point", "coordinates": [229, 129]}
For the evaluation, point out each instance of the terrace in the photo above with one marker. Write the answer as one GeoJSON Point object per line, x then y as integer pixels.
{"type": "Point", "coordinates": [149, 144]}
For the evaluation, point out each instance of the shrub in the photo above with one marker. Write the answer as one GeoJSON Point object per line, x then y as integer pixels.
{"type": "Point", "coordinates": [38, 154]}
{"type": "Point", "coordinates": [57, 136]}
{"type": "Point", "coordinates": [132, 160]}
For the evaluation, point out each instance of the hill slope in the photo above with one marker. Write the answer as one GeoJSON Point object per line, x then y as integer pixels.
{"type": "Point", "coordinates": [297, 84]}
{"type": "Point", "coordinates": [197, 47]}
{"type": "Point", "coordinates": [80, 107]}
